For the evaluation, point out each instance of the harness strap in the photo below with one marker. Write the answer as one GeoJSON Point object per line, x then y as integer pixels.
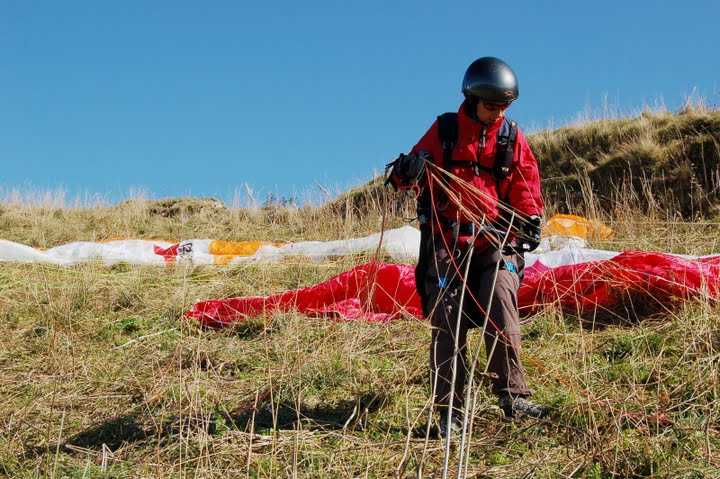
{"type": "Point", "coordinates": [504, 156]}
{"type": "Point", "coordinates": [448, 132]}
{"type": "Point", "coordinates": [505, 149]}
{"type": "Point", "coordinates": [448, 129]}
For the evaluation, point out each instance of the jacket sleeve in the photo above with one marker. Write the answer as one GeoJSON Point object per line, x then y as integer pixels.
{"type": "Point", "coordinates": [429, 142]}
{"type": "Point", "coordinates": [525, 192]}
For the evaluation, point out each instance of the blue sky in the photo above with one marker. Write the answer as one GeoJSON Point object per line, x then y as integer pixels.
{"type": "Point", "coordinates": [200, 98]}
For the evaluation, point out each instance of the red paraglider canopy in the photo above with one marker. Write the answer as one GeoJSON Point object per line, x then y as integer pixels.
{"type": "Point", "coordinates": [621, 288]}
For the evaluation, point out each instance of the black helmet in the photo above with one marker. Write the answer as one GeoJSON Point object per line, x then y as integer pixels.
{"type": "Point", "coordinates": [490, 79]}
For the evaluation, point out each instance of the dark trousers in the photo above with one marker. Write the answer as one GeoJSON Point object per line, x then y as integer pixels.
{"type": "Point", "coordinates": [493, 280]}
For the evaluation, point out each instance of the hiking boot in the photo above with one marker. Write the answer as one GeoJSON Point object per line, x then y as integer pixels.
{"type": "Point", "coordinates": [456, 425]}
{"type": "Point", "coordinates": [515, 406]}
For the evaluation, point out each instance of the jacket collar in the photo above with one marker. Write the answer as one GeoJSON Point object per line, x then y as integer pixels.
{"type": "Point", "coordinates": [467, 124]}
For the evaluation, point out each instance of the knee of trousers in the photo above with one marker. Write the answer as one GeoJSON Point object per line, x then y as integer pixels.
{"type": "Point", "coordinates": [502, 288]}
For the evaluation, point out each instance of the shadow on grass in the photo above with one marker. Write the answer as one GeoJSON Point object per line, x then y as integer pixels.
{"type": "Point", "coordinates": [113, 433]}
{"type": "Point", "coordinates": [351, 413]}
{"type": "Point", "coordinates": [121, 431]}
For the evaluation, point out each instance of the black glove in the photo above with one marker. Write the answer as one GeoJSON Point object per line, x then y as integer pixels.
{"type": "Point", "coordinates": [407, 170]}
{"type": "Point", "coordinates": [530, 237]}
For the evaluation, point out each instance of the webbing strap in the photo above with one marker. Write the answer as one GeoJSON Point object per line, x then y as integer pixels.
{"type": "Point", "coordinates": [505, 150]}
{"type": "Point", "coordinates": [448, 129]}
{"type": "Point", "coordinates": [504, 154]}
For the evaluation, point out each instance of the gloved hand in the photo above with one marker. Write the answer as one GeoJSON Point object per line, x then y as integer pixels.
{"type": "Point", "coordinates": [407, 170]}
{"type": "Point", "coordinates": [530, 237]}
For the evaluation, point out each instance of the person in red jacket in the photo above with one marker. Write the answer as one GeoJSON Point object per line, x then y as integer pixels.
{"type": "Point", "coordinates": [479, 208]}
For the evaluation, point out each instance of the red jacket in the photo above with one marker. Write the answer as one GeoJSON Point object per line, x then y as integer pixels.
{"type": "Point", "coordinates": [520, 189]}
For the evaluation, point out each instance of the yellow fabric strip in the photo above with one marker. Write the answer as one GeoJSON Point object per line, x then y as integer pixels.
{"type": "Point", "coordinates": [238, 248]}
{"type": "Point", "coordinates": [572, 225]}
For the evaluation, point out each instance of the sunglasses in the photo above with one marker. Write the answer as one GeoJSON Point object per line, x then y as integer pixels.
{"type": "Point", "coordinates": [496, 106]}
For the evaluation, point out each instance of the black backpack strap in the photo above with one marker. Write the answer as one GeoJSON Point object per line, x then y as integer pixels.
{"type": "Point", "coordinates": [505, 151]}
{"type": "Point", "coordinates": [448, 135]}
{"type": "Point", "coordinates": [448, 129]}
{"type": "Point", "coordinates": [448, 132]}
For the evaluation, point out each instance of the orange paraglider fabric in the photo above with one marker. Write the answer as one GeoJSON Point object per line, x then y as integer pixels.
{"type": "Point", "coordinates": [572, 225]}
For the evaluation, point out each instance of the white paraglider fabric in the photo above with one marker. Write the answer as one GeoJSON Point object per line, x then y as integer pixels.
{"type": "Point", "coordinates": [111, 252]}
{"type": "Point", "coordinates": [400, 244]}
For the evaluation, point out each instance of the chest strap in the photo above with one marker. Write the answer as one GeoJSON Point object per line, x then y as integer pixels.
{"type": "Point", "coordinates": [504, 150]}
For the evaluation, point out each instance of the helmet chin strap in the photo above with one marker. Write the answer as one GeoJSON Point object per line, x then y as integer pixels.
{"type": "Point", "coordinates": [470, 105]}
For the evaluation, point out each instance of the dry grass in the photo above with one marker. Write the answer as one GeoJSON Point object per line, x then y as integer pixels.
{"type": "Point", "coordinates": [669, 161]}
{"type": "Point", "coordinates": [101, 377]}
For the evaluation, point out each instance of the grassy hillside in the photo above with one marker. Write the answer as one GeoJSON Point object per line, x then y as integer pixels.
{"type": "Point", "coordinates": [666, 161]}
{"type": "Point", "coordinates": [100, 376]}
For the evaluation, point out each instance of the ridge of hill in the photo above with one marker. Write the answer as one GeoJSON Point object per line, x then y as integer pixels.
{"type": "Point", "coordinates": [655, 160]}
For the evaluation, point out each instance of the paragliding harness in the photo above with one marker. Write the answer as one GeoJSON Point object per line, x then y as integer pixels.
{"type": "Point", "coordinates": [504, 154]}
